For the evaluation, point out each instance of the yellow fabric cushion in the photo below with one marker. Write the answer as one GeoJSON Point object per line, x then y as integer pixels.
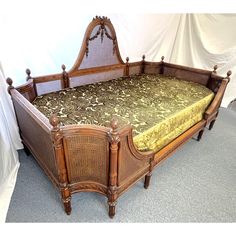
{"type": "Point", "coordinates": [170, 128]}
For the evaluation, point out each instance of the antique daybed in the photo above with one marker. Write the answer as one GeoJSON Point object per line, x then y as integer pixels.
{"type": "Point", "coordinates": [154, 108]}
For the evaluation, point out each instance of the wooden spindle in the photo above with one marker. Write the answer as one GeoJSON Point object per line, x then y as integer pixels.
{"type": "Point", "coordinates": [10, 86]}
{"type": "Point", "coordinates": [65, 77]}
{"type": "Point", "coordinates": [162, 65]}
{"type": "Point", "coordinates": [57, 137]}
{"type": "Point", "coordinates": [114, 140]}
{"type": "Point", "coordinates": [28, 72]}
{"type": "Point", "coordinates": [127, 67]}
{"type": "Point", "coordinates": [143, 65]}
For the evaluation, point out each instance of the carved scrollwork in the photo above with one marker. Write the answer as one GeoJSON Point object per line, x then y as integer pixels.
{"type": "Point", "coordinates": [102, 30]}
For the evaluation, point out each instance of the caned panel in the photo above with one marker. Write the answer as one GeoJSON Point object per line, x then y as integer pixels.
{"type": "Point", "coordinates": [100, 51]}
{"type": "Point", "coordinates": [36, 136]}
{"type": "Point", "coordinates": [152, 69]}
{"type": "Point", "coordinates": [96, 77]}
{"type": "Point", "coordinates": [87, 158]}
{"type": "Point", "coordinates": [129, 167]}
{"type": "Point", "coordinates": [188, 75]}
{"type": "Point", "coordinates": [133, 70]}
{"type": "Point", "coordinates": [48, 87]}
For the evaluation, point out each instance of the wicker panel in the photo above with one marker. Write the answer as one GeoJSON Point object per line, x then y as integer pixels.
{"type": "Point", "coordinates": [196, 77]}
{"type": "Point", "coordinates": [152, 69]}
{"type": "Point", "coordinates": [96, 77]}
{"type": "Point", "coordinates": [87, 158]}
{"type": "Point", "coordinates": [48, 87]}
{"type": "Point", "coordinates": [133, 70]}
{"type": "Point", "coordinates": [128, 165]}
{"type": "Point", "coordinates": [100, 52]}
{"type": "Point", "coordinates": [36, 137]}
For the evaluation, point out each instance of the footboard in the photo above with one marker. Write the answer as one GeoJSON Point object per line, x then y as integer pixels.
{"type": "Point", "coordinates": [100, 159]}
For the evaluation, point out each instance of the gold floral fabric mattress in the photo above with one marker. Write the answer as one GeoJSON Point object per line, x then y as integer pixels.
{"type": "Point", "coordinates": [159, 108]}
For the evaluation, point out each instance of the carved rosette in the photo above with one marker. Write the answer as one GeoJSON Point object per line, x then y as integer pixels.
{"type": "Point", "coordinates": [102, 30]}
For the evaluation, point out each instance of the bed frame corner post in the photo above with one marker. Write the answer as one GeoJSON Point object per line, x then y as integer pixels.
{"type": "Point", "coordinates": [114, 140]}
{"type": "Point", "coordinates": [10, 86]}
{"type": "Point", "coordinates": [59, 155]}
{"type": "Point", "coordinates": [65, 78]}
{"type": "Point", "coordinates": [29, 77]}
{"type": "Point", "coordinates": [142, 65]}
{"type": "Point", "coordinates": [162, 65]}
{"type": "Point", "coordinates": [127, 67]}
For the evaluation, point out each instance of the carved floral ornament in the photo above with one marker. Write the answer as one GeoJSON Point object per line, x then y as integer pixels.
{"type": "Point", "coordinates": [102, 30]}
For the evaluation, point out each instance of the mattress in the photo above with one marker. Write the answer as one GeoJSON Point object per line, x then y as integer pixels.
{"type": "Point", "coordinates": [159, 108]}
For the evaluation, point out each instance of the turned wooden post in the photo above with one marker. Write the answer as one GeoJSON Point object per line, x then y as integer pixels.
{"type": "Point", "coordinates": [127, 67]}
{"type": "Point", "coordinates": [29, 77]}
{"type": "Point", "coordinates": [143, 65]}
{"type": "Point", "coordinates": [60, 160]}
{"type": "Point", "coordinates": [65, 77]}
{"type": "Point", "coordinates": [214, 69]}
{"type": "Point", "coordinates": [28, 72]}
{"type": "Point", "coordinates": [10, 86]}
{"type": "Point", "coordinates": [162, 65]}
{"type": "Point", "coordinates": [114, 140]}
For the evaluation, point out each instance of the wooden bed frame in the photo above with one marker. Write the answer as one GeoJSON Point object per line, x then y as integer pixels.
{"type": "Point", "coordinates": [92, 158]}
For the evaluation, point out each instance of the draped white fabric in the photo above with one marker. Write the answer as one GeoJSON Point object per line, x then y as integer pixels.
{"type": "Point", "coordinates": [198, 40]}
{"type": "Point", "coordinates": [9, 143]}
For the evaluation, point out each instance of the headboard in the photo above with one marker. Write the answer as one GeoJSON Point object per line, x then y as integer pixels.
{"type": "Point", "coordinates": [98, 60]}
{"type": "Point", "coordinates": [99, 46]}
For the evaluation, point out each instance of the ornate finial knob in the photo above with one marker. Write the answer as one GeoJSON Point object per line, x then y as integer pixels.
{"type": "Point", "coordinates": [9, 81]}
{"type": "Point", "coordinates": [143, 57]}
{"type": "Point", "coordinates": [54, 120]}
{"type": "Point", "coordinates": [114, 124]}
{"type": "Point", "coordinates": [229, 73]}
{"type": "Point", "coordinates": [28, 72]}
{"type": "Point", "coordinates": [215, 68]}
{"type": "Point", "coordinates": [63, 67]}
{"type": "Point", "coordinates": [10, 86]}
{"type": "Point", "coordinates": [127, 59]}
{"type": "Point", "coordinates": [162, 58]}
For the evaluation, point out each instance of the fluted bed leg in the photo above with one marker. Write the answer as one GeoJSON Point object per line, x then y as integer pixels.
{"type": "Point", "coordinates": [211, 124]}
{"type": "Point", "coordinates": [200, 135]}
{"type": "Point", "coordinates": [147, 180]}
{"type": "Point", "coordinates": [66, 199]}
{"type": "Point", "coordinates": [112, 209]}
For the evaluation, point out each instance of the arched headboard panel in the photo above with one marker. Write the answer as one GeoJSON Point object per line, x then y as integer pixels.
{"type": "Point", "coordinates": [99, 46]}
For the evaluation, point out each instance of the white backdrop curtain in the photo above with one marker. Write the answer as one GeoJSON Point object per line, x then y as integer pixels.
{"type": "Point", "coordinates": [43, 43]}
{"type": "Point", "coordinates": [9, 143]}
{"type": "Point", "coordinates": [43, 37]}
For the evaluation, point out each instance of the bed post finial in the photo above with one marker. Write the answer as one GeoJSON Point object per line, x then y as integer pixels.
{"type": "Point", "coordinates": [215, 68]}
{"type": "Point", "coordinates": [162, 65]}
{"type": "Point", "coordinates": [65, 77]}
{"type": "Point", "coordinates": [28, 72]}
{"type": "Point", "coordinates": [228, 75]}
{"type": "Point", "coordinates": [127, 67]}
{"type": "Point", "coordinates": [10, 86]}
{"type": "Point", "coordinates": [142, 65]}
{"type": "Point", "coordinates": [54, 121]}
{"type": "Point", "coordinates": [114, 140]}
